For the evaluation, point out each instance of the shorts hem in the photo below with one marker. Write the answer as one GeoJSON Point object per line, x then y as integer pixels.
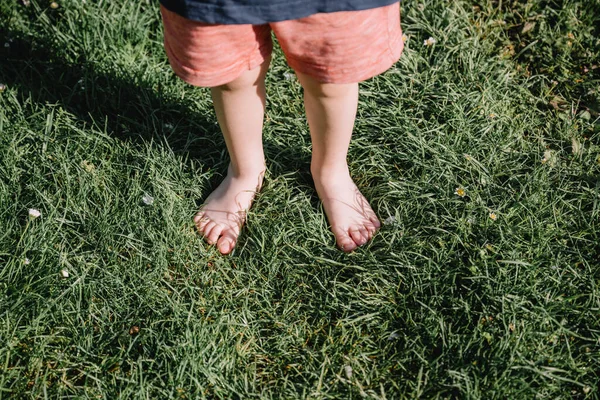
{"type": "Point", "coordinates": [355, 74]}
{"type": "Point", "coordinates": [198, 78]}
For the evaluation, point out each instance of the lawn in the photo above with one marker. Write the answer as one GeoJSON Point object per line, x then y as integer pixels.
{"type": "Point", "coordinates": [481, 152]}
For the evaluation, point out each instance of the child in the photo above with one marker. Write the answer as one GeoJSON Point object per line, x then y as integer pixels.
{"type": "Point", "coordinates": [331, 45]}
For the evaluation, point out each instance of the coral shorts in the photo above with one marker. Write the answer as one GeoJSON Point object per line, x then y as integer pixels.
{"type": "Point", "coordinates": [339, 47]}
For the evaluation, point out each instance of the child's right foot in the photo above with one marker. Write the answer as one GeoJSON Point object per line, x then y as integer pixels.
{"type": "Point", "coordinates": [223, 214]}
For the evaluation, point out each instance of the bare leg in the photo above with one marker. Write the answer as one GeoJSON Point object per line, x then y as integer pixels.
{"type": "Point", "coordinates": [239, 106]}
{"type": "Point", "coordinates": [331, 110]}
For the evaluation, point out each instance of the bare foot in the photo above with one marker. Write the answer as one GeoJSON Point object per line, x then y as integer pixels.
{"type": "Point", "coordinates": [352, 219]}
{"type": "Point", "coordinates": [224, 211]}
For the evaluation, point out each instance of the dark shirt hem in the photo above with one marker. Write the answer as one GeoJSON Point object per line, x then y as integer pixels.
{"type": "Point", "coordinates": [256, 14]}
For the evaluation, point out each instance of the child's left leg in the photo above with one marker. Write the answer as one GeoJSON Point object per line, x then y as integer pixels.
{"type": "Point", "coordinates": [331, 110]}
{"type": "Point", "coordinates": [330, 53]}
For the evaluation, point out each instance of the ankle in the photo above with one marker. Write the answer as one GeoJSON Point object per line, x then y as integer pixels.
{"type": "Point", "coordinates": [329, 171]}
{"type": "Point", "coordinates": [253, 172]}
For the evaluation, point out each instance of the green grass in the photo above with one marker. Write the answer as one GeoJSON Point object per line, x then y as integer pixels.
{"type": "Point", "coordinates": [444, 303]}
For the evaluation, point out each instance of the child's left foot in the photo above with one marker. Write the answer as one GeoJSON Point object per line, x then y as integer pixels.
{"type": "Point", "coordinates": [350, 215]}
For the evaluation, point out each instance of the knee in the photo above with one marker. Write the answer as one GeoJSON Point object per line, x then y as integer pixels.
{"type": "Point", "coordinates": [242, 82]}
{"type": "Point", "coordinates": [248, 79]}
{"type": "Point", "coordinates": [326, 90]}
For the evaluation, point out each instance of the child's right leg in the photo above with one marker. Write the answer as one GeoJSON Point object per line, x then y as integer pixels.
{"type": "Point", "coordinates": [232, 60]}
{"type": "Point", "coordinates": [239, 106]}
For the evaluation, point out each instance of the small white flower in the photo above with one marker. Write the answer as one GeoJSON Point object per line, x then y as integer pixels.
{"type": "Point", "coordinates": [348, 370]}
{"type": "Point", "coordinates": [34, 213]}
{"type": "Point", "coordinates": [429, 42]}
{"type": "Point", "coordinates": [549, 158]}
{"type": "Point", "coordinates": [88, 166]}
{"type": "Point", "coordinates": [27, 261]}
{"type": "Point", "coordinates": [64, 273]}
{"type": "Point", "coordinates": [147, 199]}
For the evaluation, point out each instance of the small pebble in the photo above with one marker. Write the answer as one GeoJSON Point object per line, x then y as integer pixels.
{"type": "Point", "coordinates": [54, 5]}
{"type": "Point", "coordinates": [391, 220]}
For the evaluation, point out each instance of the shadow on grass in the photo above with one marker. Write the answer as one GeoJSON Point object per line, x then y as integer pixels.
{"type": "Point", "coordinates": [126, 106]}
{"type": "Point", "coordinates": [114, 100]}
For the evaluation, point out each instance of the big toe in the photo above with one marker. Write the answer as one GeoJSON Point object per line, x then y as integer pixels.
{"type": "Point", "coordinates": [343, 240]}
{"type": "Point", "coordinates": [226, 242]}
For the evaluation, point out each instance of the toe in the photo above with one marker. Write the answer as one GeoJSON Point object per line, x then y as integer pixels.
{"type": "Point", "coordinates": [347, 245]}
{"type": "Point", "coordinates": [343, 240]}
{"type": "Point", "coordinates": [226, 242]}
{"type": "Point", "coordinates": [365, 234]}
{"type": "Point", "coordinates": [198, 217]}
{"type": "Point", "coordinates": [375, 221]}
{"type": "Point", "coordinates": [213, 235]}
{"type": "Point", "coordinates": [201, 220]}
{"type": "Point", "coordinates": [206, 228]}
{"type": "Point", "coordinates": [358, 237]}
{"type": "Point", "coordinates": [225, 246]}
{"type": "Point", "coordinates": [371, 229]}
